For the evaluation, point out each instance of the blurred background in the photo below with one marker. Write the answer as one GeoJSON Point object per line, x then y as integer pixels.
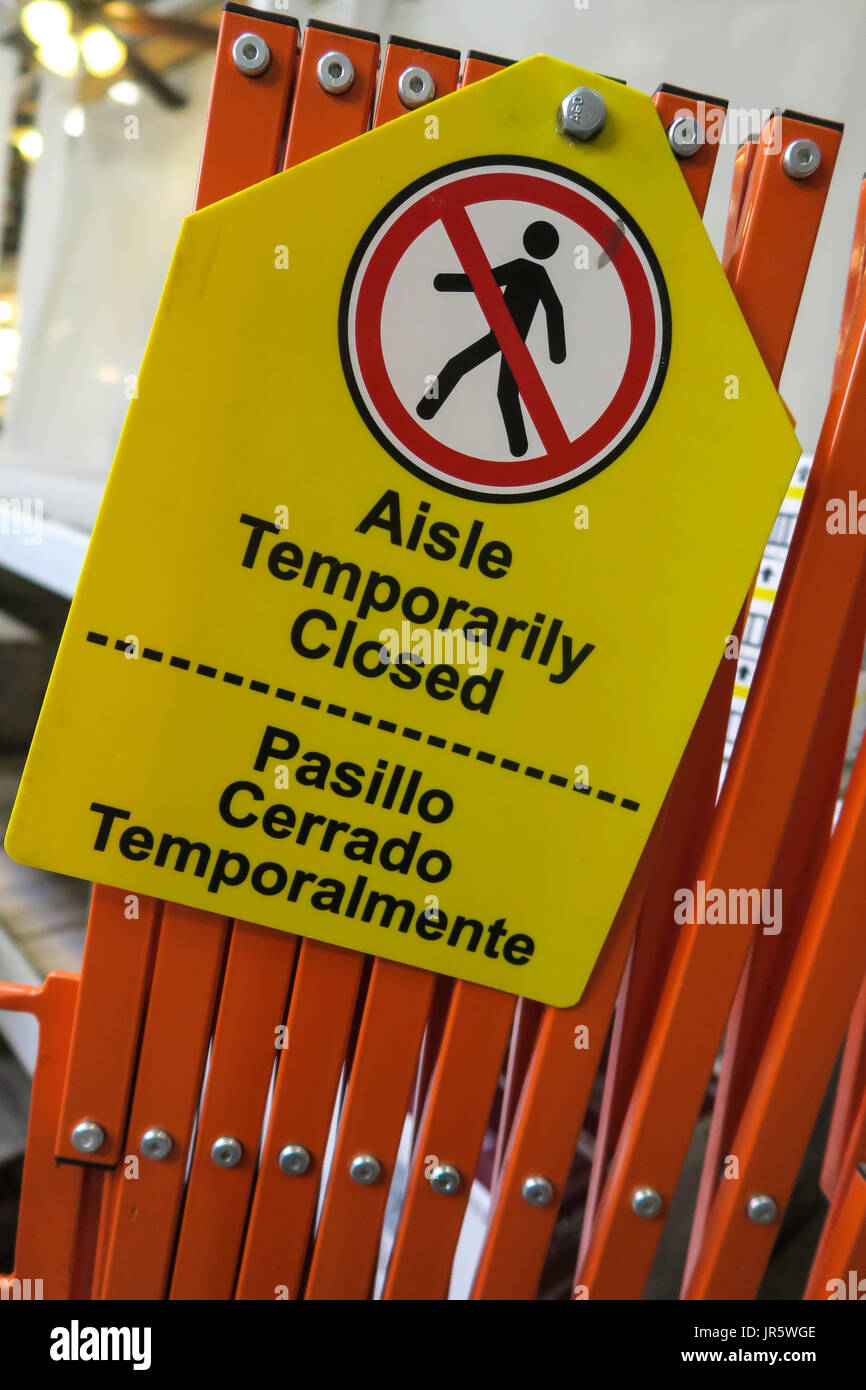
{"type": "Point", "coordinates": [102, 110]}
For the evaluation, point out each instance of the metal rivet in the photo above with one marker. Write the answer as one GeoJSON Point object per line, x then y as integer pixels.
{"type": "Point", "coordinates": [801, 158]}
{"type": "Point", "coordinates": [685, 137]}
{"type": "Point", "coordinates": [762, 1209]}
{"type": "Point", "coordinates": [365, 1169]}
{"type": "Point", "coordinates": [251, 54]}
{"type": "Point", "coordinates": [646, 1202]}
{"type": "Point", "coordinates": [537, 1190]}
{"type": "Point", "coordinates": [87, 1137]}
{"type": "Point", "coordinates": [582, 113]}
{"type": "Point", "coordinates": [415, 87]}
{"type": "Point", "coordinates": [335, 71]}
{"type": "Point", "coordinates": [444, 1178]}
{"type": "Point", "coordinates": [294, 1160]}
{"type": "Point", "coordinates": [156, 1143]}
{"type": "Point", "coordinates": [227, 1151]}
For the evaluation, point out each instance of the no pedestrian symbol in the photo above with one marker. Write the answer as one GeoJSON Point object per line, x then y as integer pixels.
{"type": "Point", "coordinates": [505, 328]}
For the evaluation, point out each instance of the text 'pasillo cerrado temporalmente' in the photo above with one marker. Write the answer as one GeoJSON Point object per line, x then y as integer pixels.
{"type": "Point", "coordinates": [244, 804]}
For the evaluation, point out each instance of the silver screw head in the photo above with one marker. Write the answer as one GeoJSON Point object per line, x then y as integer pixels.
{"type": "Point", "coordinates": [335, 72]}
{"type": "Point", "coordinates": [294, 1160]}
{"type": "Point", "coordinates": [415, 87]}
{"type": "Point", "coordinates": [762, 1209]}
{"type": "Point", "coordinates": [365, 1169]}
{"type": "Point", "coordinates": [685, 137]}
{"type": "Point", "coordinates": [156, 1143]}
{"type": "Point", "coordinates": [582, 113]}
{"type": "Point", "coordinates": [87, 1137]}
{"type": "Point", "coordinates": [251, 55]}
{"type": "Point", "coordinates": [646, 1202]}
{"type": "Point", "coordinates": [444, 1178]}
{"type": "Point", "coordinates": [801, 158]}
{"type": "Point", "coordinates": [537, 1190]}
{"type": "Point", "coordinates": [226, 1151]}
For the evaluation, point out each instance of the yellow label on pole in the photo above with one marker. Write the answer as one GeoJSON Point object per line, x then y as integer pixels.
{"type": "Point", "coordinates": [449, 468]}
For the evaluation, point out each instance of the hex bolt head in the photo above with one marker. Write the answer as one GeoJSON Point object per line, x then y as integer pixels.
{"type": "Point", "coordinates": [365, 1169]}
{"type": "Point", "coordinates": [445, 1179]}
{"type": "Point", "coordinates": [294, 1160]}
{"type": "Point", "coordinates": [685, 137]}
{"type": "Point", "coordinates": [415, 87]}
{"type": "Point", "coordinates": [646, 1203]}
{"type": "Point", "coordinates": [582, 113]}
{"type": "Point", "coordinates": [537, 1190]}
{"type": "Point", "coordinates": [762, 1209]}
{"type": "Point", "coordinates": [801, 158]}
{"type": "Point", "coordinates": [226, 1151]}
{"type": "Point", "coordinates": [251, 55]}
{"type": "Point", "coordinates": [87, 1137]}
{"type": "Point", "coordinates": [335, 71]}
{"type": "Point", "coordinates": [156, 1143]}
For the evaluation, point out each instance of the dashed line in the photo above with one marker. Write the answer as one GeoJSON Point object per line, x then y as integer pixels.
{"type": "Point", "coordinates": [463, 750]}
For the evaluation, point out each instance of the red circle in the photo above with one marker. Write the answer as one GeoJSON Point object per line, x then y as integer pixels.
{"type": "Point", "coordinates": [435, 205]}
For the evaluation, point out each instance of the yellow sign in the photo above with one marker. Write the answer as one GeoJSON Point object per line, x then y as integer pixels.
{"type": "Point", "coordinates": [449, 468]}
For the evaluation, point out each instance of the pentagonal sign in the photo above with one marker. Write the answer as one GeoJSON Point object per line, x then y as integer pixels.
{"type": "Point", "coordinates": [450, 465]}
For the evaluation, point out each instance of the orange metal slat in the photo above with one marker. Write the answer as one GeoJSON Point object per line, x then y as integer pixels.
{"type": "Point", "coordinates": [48, 1220]}
{"type": "Point", "coordinates": [251, 1011]}
{"type": "Point", "coordinates": [777, 233]}
{"type": "Point", "coordinates": [740, 184]}
{"type": "Point", "coordinates": [842, 1247]}
{"type": "Point", "coordinates": [851, 1086]}
{"type": "Point", "coordinates": [458, 1107]}
{"type": "Point", "coordinates": [118, 948]}
{"type": "Point", "coordinates": [383, 1068]}
{"type": "Point", "coordinates": [552, 1107]}
{"type": "Point", "coordinates": [443, 65]}
{"type": "Point", "coordinates": [145, 1196]}
{"type": "Point", "coordinates": [709, 114]}
{"type": "Point", "coordinates": [308, 1074]}
{"type": "Point", "coordinates": [321, 118]}
{"type": "Point", "coordinates": [246, 116]}
{"type": "Point", "coordinates": [480, 65]}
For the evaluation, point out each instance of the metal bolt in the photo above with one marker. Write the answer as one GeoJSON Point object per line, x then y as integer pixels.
{"type": "Point", "coordinates": [762, 1209]}
{"type": "Point", "coordinates": [537, 1190]}
{"type": "Point", "coordinates": [444, 1178]}
{"type": "Point", "coordinates": [335, 71]}
{"type": "Point", "coordinates": [801, 158]}
{"type": "Point", "coordinates": [156, 1143]}
{"type": "Point", "coordinates": [582, 113]}
{"type": "Point", "coordinates": [87, 1136]}
{"type": "Point", "coordinates": [415, 87]}
{"type": "Point", "coordinates": [251, 54]}
{"type": "Point", "coordinates": [294, 1160]}
{"type": "Point", "coordinates": [365, 1169]}
{"type": "Point", "coordinates": [646, 1202]}
{"type": "Point", "coordinates": [226, 1151]}
{"type": "Point", "coordinates": [685, 137]}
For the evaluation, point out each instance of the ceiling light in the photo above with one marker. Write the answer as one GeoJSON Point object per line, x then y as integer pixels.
{"type": "Point", "coordinates": [30, 144]}
{"type": "Point", "coordinates": [103, 54]}
{"type": "Point", "coordinates": [73, 121]}
{"type": "Point", "coordinates": [45, 19]}
{"type": "Point", "coordinates": [124, 92]}
{"type": "Point", "coordinates": [59, 54]}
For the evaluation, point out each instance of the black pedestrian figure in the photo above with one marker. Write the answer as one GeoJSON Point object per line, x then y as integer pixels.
{"type": "Point", "coordinates": [526, 285]}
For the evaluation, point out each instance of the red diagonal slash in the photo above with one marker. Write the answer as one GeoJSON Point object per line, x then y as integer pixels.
{"type": "Point", "coordinates": [532, 389]}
